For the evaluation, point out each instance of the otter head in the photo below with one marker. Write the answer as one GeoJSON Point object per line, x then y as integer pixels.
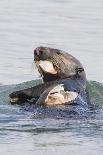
{"type": "Point", "coordinates": [54, 64]}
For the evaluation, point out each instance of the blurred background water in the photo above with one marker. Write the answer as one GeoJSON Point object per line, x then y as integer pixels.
{"type": "Point", "coordinates": [75, 26]}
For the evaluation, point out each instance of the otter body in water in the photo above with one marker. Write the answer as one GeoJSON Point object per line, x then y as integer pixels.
{"type": "Point", "coordinates": [64, 80]}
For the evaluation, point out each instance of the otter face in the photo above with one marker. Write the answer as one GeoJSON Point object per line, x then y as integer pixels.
{"type": "Point", "coordinates": [54, 64]}
{"type": "Point", "coordinates": [58, 96]}
{"type": "Point", "coordinates": [43, 60]}
{"type": "Point", "coordinates": [42, 53]}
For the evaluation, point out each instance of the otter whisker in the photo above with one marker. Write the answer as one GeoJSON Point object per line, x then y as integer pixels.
{"type": "Point", "coordinates": [58, 63]}
{"type": "Point", "coordinates": [55, 63]}
{"type": "Point", "coordinates": [34, 65]}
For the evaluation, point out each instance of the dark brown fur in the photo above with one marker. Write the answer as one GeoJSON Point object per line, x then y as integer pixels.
{"type": "Point", "coordinates": [67, 67]}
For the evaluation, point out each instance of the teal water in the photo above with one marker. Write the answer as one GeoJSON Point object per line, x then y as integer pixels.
{"type": "Point", "coordinates": [75, 26]}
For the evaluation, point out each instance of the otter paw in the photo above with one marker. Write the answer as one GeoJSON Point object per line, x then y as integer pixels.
{"type": "Point", "coordinates": [18, 97]}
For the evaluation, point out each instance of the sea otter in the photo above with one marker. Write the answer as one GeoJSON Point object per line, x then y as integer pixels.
{"type": "Point", "coordinates": [64, 80]}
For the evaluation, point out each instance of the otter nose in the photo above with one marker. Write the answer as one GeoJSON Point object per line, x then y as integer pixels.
{"type": "Point", "coordinates": [38, 52]}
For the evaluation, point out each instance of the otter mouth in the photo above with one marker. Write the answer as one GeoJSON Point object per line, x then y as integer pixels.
{"type": "Point", "coordinates": [58, 96]}
{"type": "Point", "coordinates": [43, 60]}
{"type": "Point", "coordinates": [46, 66]}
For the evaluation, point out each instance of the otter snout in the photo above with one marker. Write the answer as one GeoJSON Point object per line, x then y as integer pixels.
{"type": "Point", "coordinates": [38, 52]}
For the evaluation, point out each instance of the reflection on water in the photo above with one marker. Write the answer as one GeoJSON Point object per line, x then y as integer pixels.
{"type": "Point", "coordinates": [74, 26]}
